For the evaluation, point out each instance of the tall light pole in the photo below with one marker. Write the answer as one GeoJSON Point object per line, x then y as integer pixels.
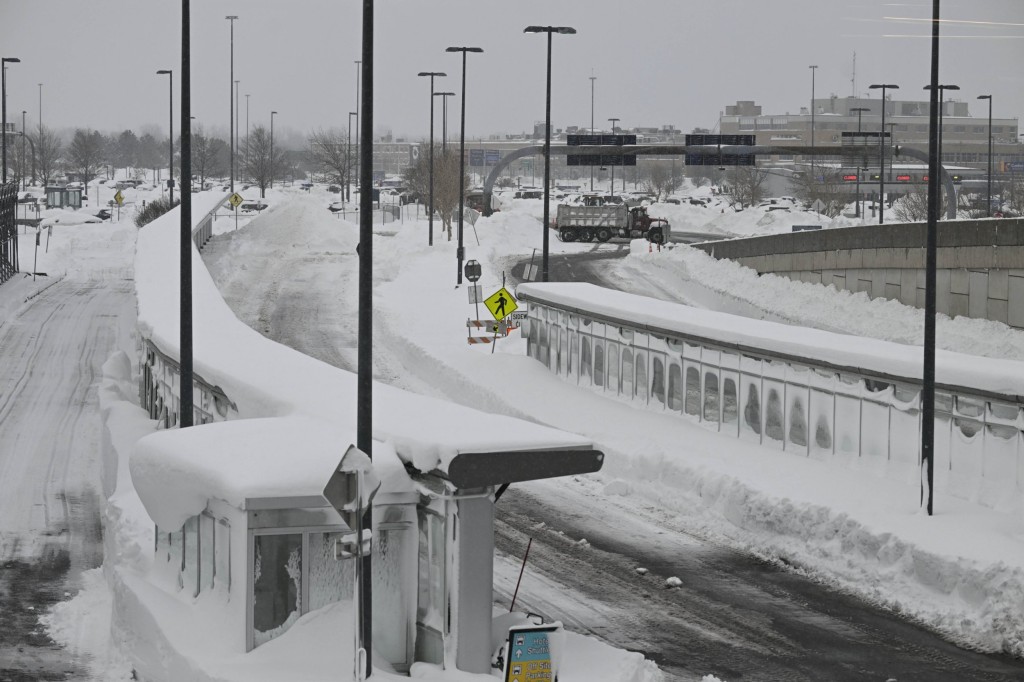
{"type": "Point", "coordinates": [859, 110]}
{"type": "Point", "coordinates": [40, 106]}
{"type": "Point", "coordinates": [272, 115]}
{"type": "Point", "coordinates": [232, 126]}
{"type": "Point", "coordinates": [4, 61]}
{"type": "Point", "coordinates": [444, 118]}
{"type": "Point", "coordinates": [612, 165]}
{"type": "Point", "coordinates": [814, 70]}
{"type": "Point", "coordinates": [359, 72]}
{"type": "Point", "coordinates": [234, 156]}
{"type": "Point", "coordinates": [989, 98]}
{"type": "Point", "coordinates": [592, 79]}
{"type": "Point", "coordinates": [881, 150]}
{"type": "Point", "coordinates": [348, 159]}
{"type": "Point", "coordinates": [460, 252]}
{"type": "Point", "coordinates": [185, 398]}
{"type": "Point", "coordinates": [430, 168]}
{"type": "Point", "coordinates": [22, 165]}
{"type": "Point", "coordinates": [550, 30]}
{"type": "Point", "coordinates": [170, 126]}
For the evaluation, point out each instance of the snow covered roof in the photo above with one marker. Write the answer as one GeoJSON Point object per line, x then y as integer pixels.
{"type": "Point", "coordinates": [248, 463]}
{"type": "Point", "coordinates": [856, 353]}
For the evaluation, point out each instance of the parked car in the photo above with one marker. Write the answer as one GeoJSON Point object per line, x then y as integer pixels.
{"type": "Point", "coordinates": [339, 206]}
{"type": "Point", "coordinates": [252, 206]}
{"type": "Point", "coordinates": [334, 188]}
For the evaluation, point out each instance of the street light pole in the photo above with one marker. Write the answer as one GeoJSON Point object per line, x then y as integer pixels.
{"type": "Point", "coordinates": [460, 252]}
{"type": "Point", "coordinates": [272, 115]}
{"type": "Point", "coordinates": [430, 167]}
{"type": "Point", "coordinates": [21, 166]}
{"type": "Point", "coordinates": [814, 70]}
{"type": "Point", "coordinates": [881, 150]}
{"type": "Point", "coordinates": [234, 156]}
{"type": "Point", "coordinates": [592, 79]}
{"type": "Point", "coordinates": [359, 73]}
{"type": "Point", "coordinates": [231, 101]}
{"type": "Point", "coordinates": [3, 131]}
{"type": "Point", "coordinates": [989, 98]}
{"type": "Point", "coordinates": [859, 111]}
{"type": "Point", "coordinates": [612, 165]}
{"type": "Point", "coordinates": [170, 127]}
{"type": "Point", "coordinates": [550, 30]}
{"type": "Point", "coordinates": [942, 107]}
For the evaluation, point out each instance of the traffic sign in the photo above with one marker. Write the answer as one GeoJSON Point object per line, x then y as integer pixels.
{"type": "Point", "coordinates": [119, 198]}
{"type": "Point", "coordinates": [501, 303]}
{"type": "Point", "coordinates": [235, 199]}
{"type": "Point", "coordinates": [528, 654]}
{"type": "Point", "coordinates": [472, 270]}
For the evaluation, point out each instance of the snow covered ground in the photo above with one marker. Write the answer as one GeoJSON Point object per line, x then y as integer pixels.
{"type": "Point", "coordinates": [960, 572]}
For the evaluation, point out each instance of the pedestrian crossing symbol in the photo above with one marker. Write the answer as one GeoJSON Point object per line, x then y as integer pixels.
{"type": "Point", "coordinates": [119, 198]}
{"type": "Point", "coordinates": [501, 303]}
{"type": "Point", "coordinates": [235, 199]}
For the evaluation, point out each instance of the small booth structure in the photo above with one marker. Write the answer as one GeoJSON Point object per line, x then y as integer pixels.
{"type": "Point", "coordinates": [62, 197]}
{"type": "Point", "coordinates": [255, 521]}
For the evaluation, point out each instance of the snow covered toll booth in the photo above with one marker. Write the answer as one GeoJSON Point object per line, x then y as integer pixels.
{"type": "Point", "coordinates": [254, 570]}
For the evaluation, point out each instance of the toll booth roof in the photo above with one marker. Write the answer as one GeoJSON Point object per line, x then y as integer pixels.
{"type": "Point", "coordinates": [282, 462]}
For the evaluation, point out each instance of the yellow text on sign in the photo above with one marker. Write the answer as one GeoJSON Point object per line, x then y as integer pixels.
{"type": "Point", "coordinates": [235, 199]}
{"type": "Point", "coordinates": [501, 303]}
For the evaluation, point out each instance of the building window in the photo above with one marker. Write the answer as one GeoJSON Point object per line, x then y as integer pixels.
{"type": "Point", "coordinates": [276, 584]}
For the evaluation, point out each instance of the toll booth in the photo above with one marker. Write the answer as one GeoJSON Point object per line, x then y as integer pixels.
{"type": "Point", "coordinates": [62, 197]}
{"type": "Point", "coordinates": [267, 509]}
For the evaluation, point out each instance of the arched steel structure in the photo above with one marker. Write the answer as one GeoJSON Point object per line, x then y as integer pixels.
{"type": "Point", "coordinates": [729, 150]}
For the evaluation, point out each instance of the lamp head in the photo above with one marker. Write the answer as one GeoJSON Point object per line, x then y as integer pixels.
{"type": "Point", "coordinates": [549, 29]}
{"type": "Point", "coordinates": [12, 60]}
{"type": "Point", "coordinates": [988, 97]}
{"type": "Point", "coordinates": [163, 71]}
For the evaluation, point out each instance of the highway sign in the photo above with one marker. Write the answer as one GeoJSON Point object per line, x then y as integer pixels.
{"type": "Point", "coordinates": [501, 303]}
{"type": "Point", "coordinates": [528, 654]}
{"type": "Point", "coordinates": [119, 198]}
{"type": "Point", "coordinates": [235, 199]}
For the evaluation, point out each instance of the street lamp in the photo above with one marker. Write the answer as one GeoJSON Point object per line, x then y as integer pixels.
{"type": "Point", "coordinates": [170, 126]}
{"type": "Point", "coordinates": [246, 163]}
{"type": "Point", "coordinates": [859, 111]}
{"type": "Point", "coordinates": [234, 156]}
{"type": "Point", "coordinates": [348, 158]}
{"type": "Point", "coordinates": [989, 98]}
{"type": "Point", "coordinates": [592, 79]}
{"type": "Point", "coordinates": [814, 70]}
{"type": "Point", "coordinates": [881, 150]}
{"type": "Point", "coordinates": [430, 168]}
{"type": "Point", "coordinates": [942, 107]}
{"type": "Point", "coordinates": [3, 131]}
{"type": "Point", "coordinates": [612, 164]}
{"type": "Point", "coordinates": [359, 73]}
{"type": "Point", "coordinates": [444, 117]}
{"type": "Point", "coordinates": [550, 30]}
{"type": "Point", "coordinates": [272, 115]}
{"type": "Point", "coordinates": [460, 251]}
{"type": "Point", "coordinates": [21, 166]}
{"type": "Point", "coordinates": [232, 128]}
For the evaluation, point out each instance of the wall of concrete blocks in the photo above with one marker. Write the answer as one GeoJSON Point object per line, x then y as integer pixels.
{"type": "Point", "coordinates": [980, 264]}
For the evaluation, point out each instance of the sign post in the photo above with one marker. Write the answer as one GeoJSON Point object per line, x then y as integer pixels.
{"type": "Point", "coordinates": [119, 198]}
{"type": "Point", "coordinates": [472, 270]}
{"type": "Point", "coordinates": [235, 199]}
{"type": "Point", "coordinates": [529, 653]}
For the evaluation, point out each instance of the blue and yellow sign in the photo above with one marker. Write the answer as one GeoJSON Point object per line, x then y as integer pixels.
{"type": "Point", "coordinates": [529, 655]}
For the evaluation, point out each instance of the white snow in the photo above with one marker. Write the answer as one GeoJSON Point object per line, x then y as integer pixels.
{"type": "Point", "coordinates": [960, 572]}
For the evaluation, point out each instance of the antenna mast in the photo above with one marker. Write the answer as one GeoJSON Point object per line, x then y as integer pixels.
{"type": "Point", "coordinates": [853, 79]}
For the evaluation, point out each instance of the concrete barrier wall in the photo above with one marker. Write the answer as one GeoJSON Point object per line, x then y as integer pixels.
{"type": "Point", "coordinates": [980, 263]}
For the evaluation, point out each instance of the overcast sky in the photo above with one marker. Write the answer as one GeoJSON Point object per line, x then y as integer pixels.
{"type": "Point", "coordinates": [657, 62]}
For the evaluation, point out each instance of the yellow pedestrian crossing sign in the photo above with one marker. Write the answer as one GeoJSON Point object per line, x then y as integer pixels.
{"type": "Point", "coordinates": [501, 303]}
{"type": "Point", "coordinates": [119, 198]}
{"type": "Point", "coordinates": [235, 199]}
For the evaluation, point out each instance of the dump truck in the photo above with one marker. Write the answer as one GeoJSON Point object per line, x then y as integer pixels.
{"type": "Point", "coordinates": [601, 223]}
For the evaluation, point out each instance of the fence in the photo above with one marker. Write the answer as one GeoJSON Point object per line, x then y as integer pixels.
{"type": "Point", "coordinates": [855, 417]}
{"type": "Point", "coordinates": [8, 231]}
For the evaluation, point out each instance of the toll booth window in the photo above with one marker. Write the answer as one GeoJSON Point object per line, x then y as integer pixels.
{"type": "Point", "coordinates": [330, 580]}
{"type": "Point", "coordinates": [430, 611]}
{"type": "Point", "coordinates": [191, 566]}
{"type": "Point", "coordinates": [277, 585]}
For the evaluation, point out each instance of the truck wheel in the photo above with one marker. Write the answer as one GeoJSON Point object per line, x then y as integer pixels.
{"type": "Point", "coordinates": [656, 236]}
{"type": "Point", "coordinates": [568, 234]}
{"type": "Point", "coordinates": [586, 235]}
{"type": "Point", "coordinates": [603, 234]}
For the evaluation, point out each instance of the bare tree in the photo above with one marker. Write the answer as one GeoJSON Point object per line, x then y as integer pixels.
{"type": "Point", "coordinates": [260, 166]}
{"type": "Point", "coordinates": [48, 149]}
{"type": "Point", "coordinates": [208, 155]}
{"type": "Point", "coordinates": [661, 179]}
{"type": "Point", "coordinates": [828, 187]}
{"type": "Point", "coordinates": [330, 153]}
{"type": "Point", "coordinates": [85, 154]}
{"type": "Point", "coordinates": [913, 206]}
{"type": "Point", "coordinates": [747, 183]}
{"type": "Point", "coordinates": [446, 182]}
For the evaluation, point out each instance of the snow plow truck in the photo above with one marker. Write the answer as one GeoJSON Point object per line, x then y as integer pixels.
{"type": "Point", "coordinates": [601, 223]}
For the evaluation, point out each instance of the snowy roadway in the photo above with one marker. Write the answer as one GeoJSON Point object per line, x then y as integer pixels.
{"type": "Point", "coordinates": [51, 495]}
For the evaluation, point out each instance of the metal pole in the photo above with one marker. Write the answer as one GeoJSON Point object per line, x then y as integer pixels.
{"type": "Point", "coordinates": [547, 164]}
{"type": "Point", "coordinates": [247, 133]}
{"type": "Point", "coordinates": [3, 129]}
{"type": "Point", "coordinates": [934, 164]}
{"type": "Point", "coordinates": [988, 210]}
{"type": "Point", "coordinates": [21, 166]}
{"type": "Point", "coordinates": [460, 251]}
{"type": "Point", "coordinates": [592, 79]}
{"type": "Point", "coordinates": [272, 115]}
{"type": "Point", "coordinates": [364, 382]}
{"type": "Point", "coordinates": [170, 122]}
{"type": "Point", "coordinates": [358, 155]}
{"type": "Point", "coordinates": [814, 69]}
{"type": "Point", "coordinates": [185, 326]}
{"type": "Point", "coordinates": [430, 218]}
{"type": "Point", "coordinates": [231, 102]}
